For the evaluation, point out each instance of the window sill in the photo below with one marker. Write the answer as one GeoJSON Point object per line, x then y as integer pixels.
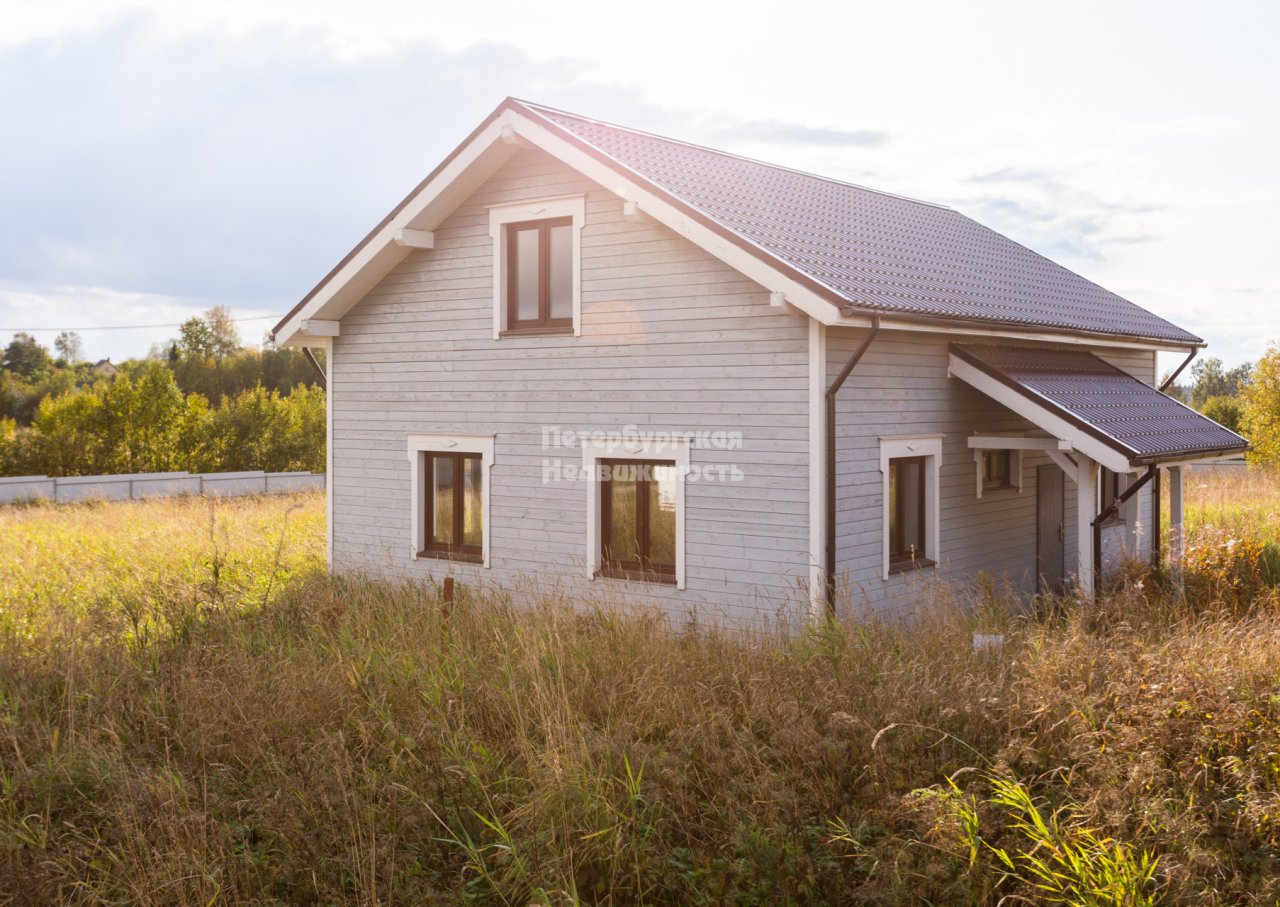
{"type": "Point", "coordinates": [996, 489]}
{"type": "Point", "coordinates": [919, 563]}
{"type": "Point", "coordinates": [637, 576]}
{"type": "Point", "coordinates": [460, 556]}
{"type": "Point", "coordinates": [536, 332]}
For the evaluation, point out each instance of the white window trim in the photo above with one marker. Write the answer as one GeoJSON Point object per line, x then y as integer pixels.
{"type": "Point", "coordinates": [418, 444]}
{"type": "Point", "coordinates": [573, 206]}
{"type": "Point", "coordinates": [1015, 468]}
{"type": "Point", "coordinates": [673, 449]}
{"type": "Point", "coordinates": [929, 447]}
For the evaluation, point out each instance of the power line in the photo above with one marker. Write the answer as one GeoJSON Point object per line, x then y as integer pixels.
{"type": "Point", "coordinates": [126, 327]}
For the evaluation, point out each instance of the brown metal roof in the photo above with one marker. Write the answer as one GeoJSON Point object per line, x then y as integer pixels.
{"type": "Point", "coordinates": [867, 249]}
{"type": "Point", "coordinates": [1133, 418]}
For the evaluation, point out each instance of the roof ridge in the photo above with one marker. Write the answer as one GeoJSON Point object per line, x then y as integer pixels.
{"type": "Point", "coordinates": [722, 153]}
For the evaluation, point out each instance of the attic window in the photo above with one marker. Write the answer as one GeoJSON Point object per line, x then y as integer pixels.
{"type": "Point", "coordinates": [537, 256]}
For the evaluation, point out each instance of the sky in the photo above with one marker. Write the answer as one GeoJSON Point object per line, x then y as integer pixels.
{"type": "Point", "coordinates": [160, 158]}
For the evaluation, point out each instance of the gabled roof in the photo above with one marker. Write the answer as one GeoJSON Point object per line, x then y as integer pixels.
{"type": "Point", "coordinates": [1136, 421]}
{"type": "Point", "coordinates": [834, 249]}
{"type": "Point", "coordinates": [875, 251]}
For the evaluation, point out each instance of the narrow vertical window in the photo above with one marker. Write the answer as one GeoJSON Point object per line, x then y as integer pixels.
{"type": "Point", "coordinates": [906, 512]}
{"type": "Point", "coordinates": [1110, 491]}
{"type": "Point", "coordinates": [638, 519]}
{"type": "Point", "coordinates": [453, 515]}
{"type": "Point", "coordinates": [539, 261]}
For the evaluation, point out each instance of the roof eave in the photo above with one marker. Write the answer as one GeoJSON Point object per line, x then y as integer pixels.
{"type": "Point", "coordinates": [982, 327]}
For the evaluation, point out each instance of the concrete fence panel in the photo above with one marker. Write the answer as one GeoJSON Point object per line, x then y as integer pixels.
{"type": "Point", "coordinates": [27, 488]}
{"type": "Point", "coordinates": [154, 485]}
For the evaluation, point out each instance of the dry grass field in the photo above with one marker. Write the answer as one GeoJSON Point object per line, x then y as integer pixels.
{"type": "Point", "coordinates": [191, 712]}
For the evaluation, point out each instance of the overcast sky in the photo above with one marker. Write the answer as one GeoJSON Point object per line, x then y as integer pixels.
{"type": "Point", "coordinates": [161, 158]}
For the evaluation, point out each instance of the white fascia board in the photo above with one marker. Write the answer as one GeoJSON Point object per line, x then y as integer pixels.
{"type": "Point", "coordinates": [893, 324]}
{"type": "Point", "coordinates": [422, 213]}
{"type": "Point", "coordinates": [1039, 415]}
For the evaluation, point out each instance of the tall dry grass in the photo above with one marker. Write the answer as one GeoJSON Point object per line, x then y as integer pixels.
{"type": "Point", "coordinates": [346, 742]}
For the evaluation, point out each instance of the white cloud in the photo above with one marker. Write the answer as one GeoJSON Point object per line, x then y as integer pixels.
{"type": "Point", "coordinates": [232, 152]}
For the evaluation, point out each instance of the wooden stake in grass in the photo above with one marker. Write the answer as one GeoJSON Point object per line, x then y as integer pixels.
{"type": "Point", "coordinates": [445, 606]}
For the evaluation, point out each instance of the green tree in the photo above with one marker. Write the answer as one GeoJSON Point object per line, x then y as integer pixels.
{"type": "Point", "coordinates": [1226, 411]}
{"type": "Point", "coordinates": [25, 356]}
{"type": "Point", "coordinates": [69, 347]}
{"type": "Point", "coordinates": [224, 336]}
{"type": "Point", "coordinates": [1210, 379]}
{"type": "Point", "coordinates": [1261, 417]}
{"type": "Point", "coordinates": [195, 340]}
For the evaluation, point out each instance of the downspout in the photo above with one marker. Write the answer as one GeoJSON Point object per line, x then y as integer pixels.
{"type": "Point", "coordinates": [1119, 502]}
{"type": "Point", "coordinates": [830, 565]}
{"type": "Point", "coordinates": [1168, 382]}
{"type": "Point", "coordinates": [1155, 480]}
{"type": "Point", "coordinates": [315, 364]}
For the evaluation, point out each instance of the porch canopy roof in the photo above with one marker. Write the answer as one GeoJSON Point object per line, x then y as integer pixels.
{"type": "Point", "coordinates": [1104, 413]}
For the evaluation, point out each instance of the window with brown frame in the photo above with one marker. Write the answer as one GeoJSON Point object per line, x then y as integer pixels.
{"type": "Point", "coordinates": [907, 513]}
{"type": "Point", "coordinates": [997, 470]}
{"type": "Point", "coordinates": [1110, 491]}
{"type": "Point", "coordinates": [539, 262]}
{"type": "Point", "coordinates": [453, 518]}
{"type": "Point", "coordinates": [638, 519]}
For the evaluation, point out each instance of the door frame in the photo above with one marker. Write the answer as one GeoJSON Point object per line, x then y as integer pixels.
{"type": "Point", "coordinates": [1045, 583]}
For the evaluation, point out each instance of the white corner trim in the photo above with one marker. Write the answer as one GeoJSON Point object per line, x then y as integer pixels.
{"type": "Point", "coordinates": [574, 206]}
{"type": "Point", "coordinates": [929, 447]}
{"type": "Point", "coordinates": [419, 444]}
{"type": "Point", "coordinates": [415, 239]}
{"type": "Point", "coordinates": [328, 452]}
{"type": "Point", "coordinates": [643, 448]}
{"type": "Point", "coordinates": [817, 468]}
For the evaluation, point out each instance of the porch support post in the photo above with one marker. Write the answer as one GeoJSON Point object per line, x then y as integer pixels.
{"type": "Point", "coordinates": [1175, 523]}
{"type": "Point", "coordinates": [1086, 509]}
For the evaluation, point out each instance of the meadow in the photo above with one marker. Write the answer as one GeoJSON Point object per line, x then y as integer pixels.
{"type": "Point", "coordinates": [192, 712]}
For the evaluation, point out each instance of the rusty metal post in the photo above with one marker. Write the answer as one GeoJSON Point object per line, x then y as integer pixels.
{"type": "Point", "coordinates": [446, 606]}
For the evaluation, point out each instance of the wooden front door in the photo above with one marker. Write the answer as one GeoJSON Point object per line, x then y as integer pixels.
{"type": "Point", "coordinates": [1050, 530]}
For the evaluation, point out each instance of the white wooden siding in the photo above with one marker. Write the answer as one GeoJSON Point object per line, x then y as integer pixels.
{"type": "Point", "coordinates": [672, 340]}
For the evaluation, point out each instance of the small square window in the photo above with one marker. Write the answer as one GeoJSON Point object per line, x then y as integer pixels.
{"type": "Point", "coordinates": [997, 470]}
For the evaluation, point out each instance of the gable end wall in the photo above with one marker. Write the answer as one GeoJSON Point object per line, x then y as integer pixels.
{"type": "Point", "coordinates": [672, 340]}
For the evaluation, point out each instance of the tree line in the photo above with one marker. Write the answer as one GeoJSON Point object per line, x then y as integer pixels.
{"type": "Point", "coordinates": [201, 402]}
{"type": "Point", "coordinates": [1246, 399]}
